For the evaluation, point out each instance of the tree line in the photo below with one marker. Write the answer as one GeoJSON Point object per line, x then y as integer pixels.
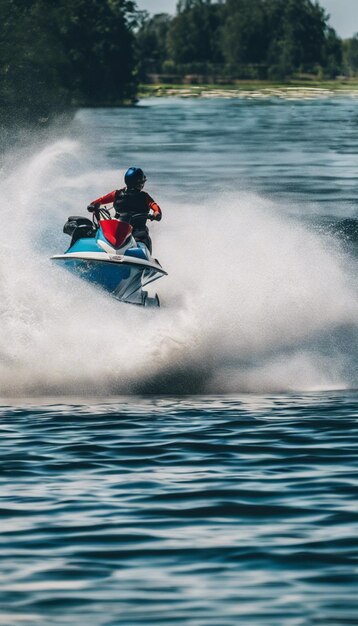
{"type": "Point", "coordinates": [257, 39]}
{"type": "Point", "coordinates": [54, 55]}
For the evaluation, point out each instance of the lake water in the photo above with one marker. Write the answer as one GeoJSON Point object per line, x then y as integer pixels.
{"type": "Point", "coordinates": [195, 464]}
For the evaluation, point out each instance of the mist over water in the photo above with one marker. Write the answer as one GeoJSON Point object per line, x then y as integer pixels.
{"type": "Point", "coordinates": [256, 299]}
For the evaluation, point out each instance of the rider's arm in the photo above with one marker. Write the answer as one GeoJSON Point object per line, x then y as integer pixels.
{"type": "Point", "coordinates": [157, 212]}
{"type": "Point", "coordinates": [107, 199]}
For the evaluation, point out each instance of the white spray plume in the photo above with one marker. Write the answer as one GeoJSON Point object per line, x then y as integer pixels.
{"type": "Point", "coordinates": [253, 301]}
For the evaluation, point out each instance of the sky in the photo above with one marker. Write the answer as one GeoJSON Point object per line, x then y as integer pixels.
{"type": "Point", "coordinates": [344, 13]}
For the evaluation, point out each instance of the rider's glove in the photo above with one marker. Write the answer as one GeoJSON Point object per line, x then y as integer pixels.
{"type": "Point", "coordinates": [156, 216]}
{"type": "Point", "coordinates": [93, 207]}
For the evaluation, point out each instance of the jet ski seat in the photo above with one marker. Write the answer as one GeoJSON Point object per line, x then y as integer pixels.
{"type": "Point", "coordinates": [79, 228]}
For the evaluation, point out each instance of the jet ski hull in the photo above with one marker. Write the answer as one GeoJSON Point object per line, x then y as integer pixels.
{"type": "Point", "coordinates": [121, 272]}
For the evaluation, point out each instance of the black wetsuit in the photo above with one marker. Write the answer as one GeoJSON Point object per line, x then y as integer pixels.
{"type": "Point", "coordinates": [133, 206]}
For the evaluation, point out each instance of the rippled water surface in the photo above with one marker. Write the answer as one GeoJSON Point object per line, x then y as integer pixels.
{"type": "Point", "coordinates": [194, 511]}
{"type": "Point", "coordinates": [196, 464]}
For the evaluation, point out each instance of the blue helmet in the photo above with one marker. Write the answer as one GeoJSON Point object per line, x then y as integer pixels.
{"type": "Point", "coordinates": [135, 178]}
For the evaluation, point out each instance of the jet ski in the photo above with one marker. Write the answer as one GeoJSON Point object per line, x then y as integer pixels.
{"type": "Point", "coordinates": [105, 253]}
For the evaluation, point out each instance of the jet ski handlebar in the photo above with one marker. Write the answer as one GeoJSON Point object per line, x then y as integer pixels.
{"type": "Point", "coordinates": [96, 210]}
{"type": "Point", "coordinates": [104, 214]}
{"type": "Point", "coordinates": [98, 214]}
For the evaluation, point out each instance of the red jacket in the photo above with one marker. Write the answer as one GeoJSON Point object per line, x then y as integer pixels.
{"type": "Point", "coordinates": [110, 198]}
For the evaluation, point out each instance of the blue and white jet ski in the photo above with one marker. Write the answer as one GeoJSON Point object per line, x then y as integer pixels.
{"type": "Point", "coordinates": [105, 253]}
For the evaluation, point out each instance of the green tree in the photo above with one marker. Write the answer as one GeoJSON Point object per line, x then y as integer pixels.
{"type": "Point", "coordinates": [285, 35]}
{"type": "Point", "coordinates": [98, 38]}
{"type": "Point", "coordinates": [152, 43]}
{"type": "Point", "coordinates": [69, 52]}
{"type": "Point", "coordinates": [299, 37]}
{"type": "Point", "coordinates": [30, 58]}
{"type": "Point", "coordinates": [350, 55]}
{"type": "Point", "coordinates": [332, 54]}
{"type": "Point", "coordinates": [245, 35]}
{"type": "Point", "coordinates": [194, 33]}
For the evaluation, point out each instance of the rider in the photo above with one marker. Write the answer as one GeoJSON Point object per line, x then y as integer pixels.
{"type": "Point", "coordinates": [132, 205]}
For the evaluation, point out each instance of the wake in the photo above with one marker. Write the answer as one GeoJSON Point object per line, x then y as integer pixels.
{"type": "Point", "coordinates": [254, 301]}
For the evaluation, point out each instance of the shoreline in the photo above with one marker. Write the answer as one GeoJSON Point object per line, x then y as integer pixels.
{"type": "Point", "coordinates": [294, 90]}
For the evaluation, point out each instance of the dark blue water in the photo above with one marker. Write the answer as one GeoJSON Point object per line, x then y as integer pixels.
{"type": "Point", "coordinates": [195, 511]}
{"type": "Point", "coordinates": [301, 151]}
{"type": "Point", "coordinates": [194, 465]}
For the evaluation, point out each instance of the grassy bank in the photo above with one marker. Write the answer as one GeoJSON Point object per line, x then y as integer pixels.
{"type": "Point", "coordinates": [255, 89]}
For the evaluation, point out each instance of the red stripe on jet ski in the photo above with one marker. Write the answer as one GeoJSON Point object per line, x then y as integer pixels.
{"type": "Point", "coordinates": [116, 232]}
